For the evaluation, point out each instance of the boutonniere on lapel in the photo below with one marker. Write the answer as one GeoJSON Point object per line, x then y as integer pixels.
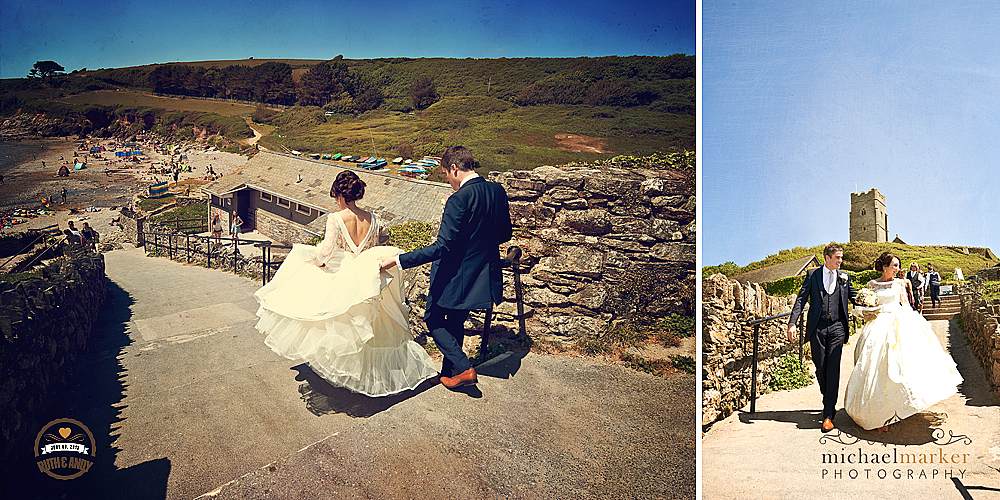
{"type": "Point", "coordinates": [843, 277]}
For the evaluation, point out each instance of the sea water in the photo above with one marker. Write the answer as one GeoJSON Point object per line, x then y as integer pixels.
{"type": "Point", "coordinates": [12, 153]}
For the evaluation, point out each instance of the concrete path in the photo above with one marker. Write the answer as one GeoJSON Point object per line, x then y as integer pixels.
{"type": "Point", "coordinates": [185, 400]}
{"type": "Point", "coordinates": [780, 452]}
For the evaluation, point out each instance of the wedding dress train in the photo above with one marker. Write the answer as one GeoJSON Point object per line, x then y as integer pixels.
{"type": "Point", "coordinates": [346, 319]}
{"type": "Point", "coordinates": [900, 368]}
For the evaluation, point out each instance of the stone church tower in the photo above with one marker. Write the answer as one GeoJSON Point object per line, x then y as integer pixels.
{"type": "Point", "coordinates": [869, 221]}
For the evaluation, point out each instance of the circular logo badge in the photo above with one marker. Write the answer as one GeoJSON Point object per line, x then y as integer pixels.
{"type": "Point", "coordinates": [64, 449]}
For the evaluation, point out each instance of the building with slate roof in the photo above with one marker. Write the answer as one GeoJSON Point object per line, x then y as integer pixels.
{"type": "Point", "coordinates": [778, 271]}
{"type": "Point", "coordinates": [287, 197]}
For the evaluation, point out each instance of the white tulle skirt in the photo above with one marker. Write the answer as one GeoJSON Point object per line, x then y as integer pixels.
{"type": "Point", "coordinates": [900, 369]}
{"type": "Point", "coordinates": [347, 320]}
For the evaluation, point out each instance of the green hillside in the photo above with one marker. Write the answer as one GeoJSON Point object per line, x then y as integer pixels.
{"type": "Point", "coordinates": [513, 113]}
{"type": "Point", "coordinates": [860, 256]}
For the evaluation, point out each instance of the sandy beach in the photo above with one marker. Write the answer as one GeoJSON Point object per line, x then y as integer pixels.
{"type": "Point", "coordinates": [108, 183]}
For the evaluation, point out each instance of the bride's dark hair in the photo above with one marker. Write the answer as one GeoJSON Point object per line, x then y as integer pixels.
{"type": "Point", "coordinates": [348, 185]}
{"type": "Point", "coordinates": [884, 260]}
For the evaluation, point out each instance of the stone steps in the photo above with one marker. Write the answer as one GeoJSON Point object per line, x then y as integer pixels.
{"type": "Point", "coordinates": [949, 308]}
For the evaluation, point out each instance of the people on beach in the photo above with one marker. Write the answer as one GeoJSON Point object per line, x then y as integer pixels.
{"type": "Point", "coordinates": [89, 236]}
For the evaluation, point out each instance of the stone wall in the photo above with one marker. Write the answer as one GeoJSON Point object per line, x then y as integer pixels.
{"type": "Point", "coordinates": [132, 225]}
{"type": "Point", "coordinates": [989, 274]}
{"type": "Point", "coordinates": [600, 244]}
{"type": "Point", "coordinates": [980, 318]}
{"type": "Point", "coordinates": [46, 323]}
{"type": "Point", "coordinates": [280, 229]}
{"type": "Point", "coordinates": [727, 343]}
{"type": "Point", "coordinates": [13, 244]}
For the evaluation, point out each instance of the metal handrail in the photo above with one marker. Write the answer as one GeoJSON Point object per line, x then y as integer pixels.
{"type": "Point", "coordinates": [267, 265]}
{"type": "Point", "coordinates": [40, 236]}
{"type": "Point", "coordinates": [800, 327]}
{"type": "Point", "coordinates": [513, 260]}
{"type": "Point", "coordinates": [756, 348]}
{"type": "Point", "coordinates": [169, 246]}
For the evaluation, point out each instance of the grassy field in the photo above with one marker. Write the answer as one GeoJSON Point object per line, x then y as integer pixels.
{"type": "Point", "coordinates": [501, 136]}
{"type": "Point", "coordinates": [114, 98]}
{"type": "Point", "coordinates": [860, 256]}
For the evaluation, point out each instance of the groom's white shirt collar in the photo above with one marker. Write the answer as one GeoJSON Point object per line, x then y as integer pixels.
{"type": "Point", "coordinates": [467, 179]}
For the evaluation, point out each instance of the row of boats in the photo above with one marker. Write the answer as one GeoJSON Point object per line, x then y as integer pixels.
{"type": "Point", "coordinates": [409, 168]}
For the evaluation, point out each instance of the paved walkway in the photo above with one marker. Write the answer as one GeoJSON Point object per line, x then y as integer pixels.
{"type": "Point", "coordinates": [185, 400]}
{"type": "Point", "coordinates": [780, 452]}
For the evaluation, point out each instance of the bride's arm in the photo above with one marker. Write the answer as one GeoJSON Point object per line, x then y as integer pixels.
{"type": "Point", "coordinates": [903, 300]}
{"type": "Point", "coordinates": [328, 245]}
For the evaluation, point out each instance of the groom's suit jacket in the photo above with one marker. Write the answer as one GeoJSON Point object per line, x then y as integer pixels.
{"type": "Point", "coordinates": [812, 289]}
{"type": "Point", "coordinates": [465, 269]}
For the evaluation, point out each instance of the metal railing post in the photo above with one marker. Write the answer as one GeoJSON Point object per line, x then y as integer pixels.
{"type": "Point", "coordinates": [802, 334]}
{"type": "Point", "coordinates": [753, 370]}
{"type": "Point", "coordinates": [756, 351]}
{"type": "Point", "coordinates": [513, 256]}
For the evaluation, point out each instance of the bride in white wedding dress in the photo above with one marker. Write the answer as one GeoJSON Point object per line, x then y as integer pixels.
{"type": "Point", "coordinates": [900, 368]}
{"type": "Point", "coordinates": [331, 306]}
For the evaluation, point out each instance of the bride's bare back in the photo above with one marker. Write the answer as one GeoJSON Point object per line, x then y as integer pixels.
{"type": "Point", "coordinates": [358, 224]}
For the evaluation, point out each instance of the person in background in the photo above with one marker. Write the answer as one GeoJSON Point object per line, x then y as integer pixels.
{"type": "Point", "coordinates": [918, 285]}
{"type": "Point", "coordinates": [933, 284]}
{"type": "Point", "coordinates": [237, 227]}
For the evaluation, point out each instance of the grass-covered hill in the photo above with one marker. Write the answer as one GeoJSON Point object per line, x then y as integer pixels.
{"type": "Point", "coordinates": [512, 113]}
{"type": "Point", "coordinates": [859, 258]}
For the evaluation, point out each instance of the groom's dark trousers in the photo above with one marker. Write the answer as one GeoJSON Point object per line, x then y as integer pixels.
{"type": "Point", "coordinates": [465, 265]}
{"type": "Point", "coordinates": [827, 346]}
{"type": "Point", "coordinates": [826, 330]}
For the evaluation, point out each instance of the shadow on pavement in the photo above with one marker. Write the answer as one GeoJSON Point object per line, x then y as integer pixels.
{"type": "Point", "coordinates": [803, 419]}
{"type": "Point", "coordinates": [922, 428]}
{"type": "Point", "coordinates": [95, 399]}
{"type": "Point", "coordinates": [322, 398]}
{"type": "Point", "coordinates": [504, 366]}
{"type": "Point", "coordinates": [974, 387]}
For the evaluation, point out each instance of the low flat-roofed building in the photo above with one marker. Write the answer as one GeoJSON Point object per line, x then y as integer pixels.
{"type": "Point", "coordinates": [778, 271]}
{"type": "Point", "coordinates": [287, 198]}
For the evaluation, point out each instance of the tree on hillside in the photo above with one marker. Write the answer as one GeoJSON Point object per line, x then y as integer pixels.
{"type": "Point", "coordinates": [423, 93]}
{"type": "Point", "coordinates": [323, 81]}
{"type": "Point", "coordinates": [45, 69]}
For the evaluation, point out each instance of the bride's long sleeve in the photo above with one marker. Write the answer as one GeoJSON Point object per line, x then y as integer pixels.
{"type": "Point", "coordinates": [330, 241]}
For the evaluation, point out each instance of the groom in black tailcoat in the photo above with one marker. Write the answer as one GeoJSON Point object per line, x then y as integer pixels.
{"type": "Point", "coordinates": [465, 270]}
{"type": "Point", "coordinates": [828, 290]}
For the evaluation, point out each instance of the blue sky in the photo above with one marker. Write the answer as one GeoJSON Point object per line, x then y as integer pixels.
{"type": "Point", "coordinates": [110, 34]}
{"type": "Point", "coordinates": [803, 105]}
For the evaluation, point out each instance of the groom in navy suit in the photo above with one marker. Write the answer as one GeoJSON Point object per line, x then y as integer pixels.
{"type": "Point", "coordinates": [828, 290]}
{"type": "Point", "coordinates": [465, 261]}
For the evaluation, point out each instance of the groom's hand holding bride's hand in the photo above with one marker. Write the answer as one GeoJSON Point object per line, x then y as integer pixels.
{"type": "Point", "coordinates": [791, 332]}
{"type": "Point", "coordinates": [385, 263]}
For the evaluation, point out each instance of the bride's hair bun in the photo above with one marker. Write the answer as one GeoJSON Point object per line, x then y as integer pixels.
{"type": "Point", "coordinates": [884, 260]}
{"type": "Point", "coordinates": [348, 185]}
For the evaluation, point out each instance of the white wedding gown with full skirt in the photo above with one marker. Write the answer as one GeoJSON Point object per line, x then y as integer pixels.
{"type": "Point", "coordinates": [347, 319]}
{"type": "Point", "coordinates": [900, 368]}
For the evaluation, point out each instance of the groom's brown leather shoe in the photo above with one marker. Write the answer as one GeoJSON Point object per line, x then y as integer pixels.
{"type": "Point", "coordinates": [468, 377]}
{"type": "Point", "coordinates": [827, 425]}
